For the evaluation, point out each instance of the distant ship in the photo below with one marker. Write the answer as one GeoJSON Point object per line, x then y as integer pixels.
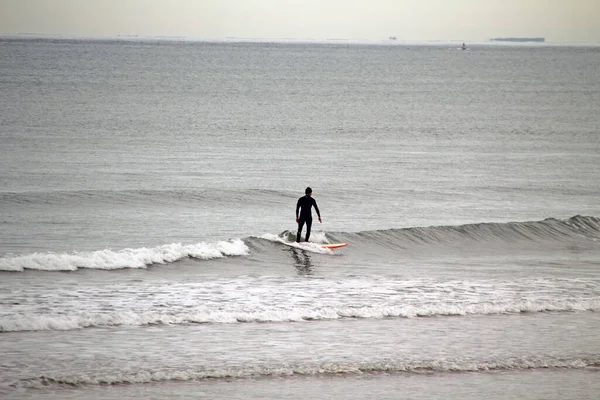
{"type": "Point", "coordinates": [517, 39]}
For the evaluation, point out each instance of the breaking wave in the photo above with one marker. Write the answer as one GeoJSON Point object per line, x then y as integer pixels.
{"type": "Point", "coordinates": [282, 370]}
{"type": "Point", "coordinates": [577, 231]}
{"type": "Point", "coordinates": [74, 321]}
{"type": "Point", "coordinates": [126, 258]}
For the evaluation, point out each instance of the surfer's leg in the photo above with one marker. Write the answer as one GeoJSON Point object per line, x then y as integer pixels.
{"type": "Point", "coordinates": [300, 226]}
{"type": "Point", "coordinates": [308, 225]}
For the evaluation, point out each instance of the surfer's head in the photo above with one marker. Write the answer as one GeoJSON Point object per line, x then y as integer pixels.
{"type": "Point", "coordinates": [308, 191]}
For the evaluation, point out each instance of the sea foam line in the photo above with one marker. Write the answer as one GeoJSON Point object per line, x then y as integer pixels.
{"type": "Point", "coordinates": [389, 366]}
{"type": "Point", "coordinates": [20, 322]}
{"type": "Point", "coordinates": [126, 258]}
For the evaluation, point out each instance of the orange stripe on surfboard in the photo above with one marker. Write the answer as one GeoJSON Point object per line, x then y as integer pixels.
{"type": "Point", "coordinates": [334, 245]}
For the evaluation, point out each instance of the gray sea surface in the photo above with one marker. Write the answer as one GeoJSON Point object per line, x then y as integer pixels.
{"type": "Point", "coordinates": [147, 218]}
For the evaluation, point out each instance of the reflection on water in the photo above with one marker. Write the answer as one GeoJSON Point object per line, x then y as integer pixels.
{"type": "Point", "coordinates": [302, 261]}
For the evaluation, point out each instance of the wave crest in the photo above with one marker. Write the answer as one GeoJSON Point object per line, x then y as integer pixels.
{"type": "Point", "coordinates": [576, 228]}
{"type": "Point", "coordinates": [17, 323]}
{"type": "Point", "coordinates": [126, 258]}
{"type": "Point", "coordinates": [576, 231]}
{"type": "Point", "coordinates": [388, 366]}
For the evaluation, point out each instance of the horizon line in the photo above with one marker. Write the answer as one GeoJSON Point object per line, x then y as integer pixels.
{"type": "Point", "coordinates": [332, 40]}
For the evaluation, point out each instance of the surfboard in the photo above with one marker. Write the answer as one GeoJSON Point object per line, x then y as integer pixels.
{"type": "Point", "coordinates": [311, 246]}
{"type": "Point", "coordinates": [334, 245]}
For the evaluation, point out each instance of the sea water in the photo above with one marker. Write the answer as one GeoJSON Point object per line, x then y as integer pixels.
{"type": "Point", "coordinates": [147, 198]}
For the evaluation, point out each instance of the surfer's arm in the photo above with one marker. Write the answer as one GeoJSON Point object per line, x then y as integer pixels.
{"type": "Point", "coordinates": [297, 208]}
{"type": "Point", "coordinates": [317, 208]}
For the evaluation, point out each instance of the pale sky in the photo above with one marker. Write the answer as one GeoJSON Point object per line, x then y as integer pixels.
{"type": "Point", "coordinates": [463, 20]}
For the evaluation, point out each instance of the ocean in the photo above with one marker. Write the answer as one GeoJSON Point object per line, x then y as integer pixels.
{"type": "Point", "coordinates": [147, 214]}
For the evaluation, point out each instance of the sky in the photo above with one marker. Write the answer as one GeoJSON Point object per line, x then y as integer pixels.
{"type": "Point", "coordinates": [558, 21]}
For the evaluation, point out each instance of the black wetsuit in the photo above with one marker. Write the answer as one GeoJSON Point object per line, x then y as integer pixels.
{"type": "Point", "coordinates": [305, 203]}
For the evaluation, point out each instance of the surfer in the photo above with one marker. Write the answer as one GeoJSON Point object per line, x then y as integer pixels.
{"type": "Point", "coordinates": [306, 203]}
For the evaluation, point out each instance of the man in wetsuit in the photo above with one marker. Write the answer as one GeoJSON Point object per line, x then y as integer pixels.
{"type": "Point", "coordinates": [306, 203]}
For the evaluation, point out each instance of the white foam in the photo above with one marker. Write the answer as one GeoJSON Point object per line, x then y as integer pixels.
{"type": "Point", "coordinates": [417, 366]}
{"type": "Point", "coordinates": [126, 258]}
{"type": "Point", "coordinates": [206, 315]}
{"type": "Point", "coordinates": [317, 238]}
